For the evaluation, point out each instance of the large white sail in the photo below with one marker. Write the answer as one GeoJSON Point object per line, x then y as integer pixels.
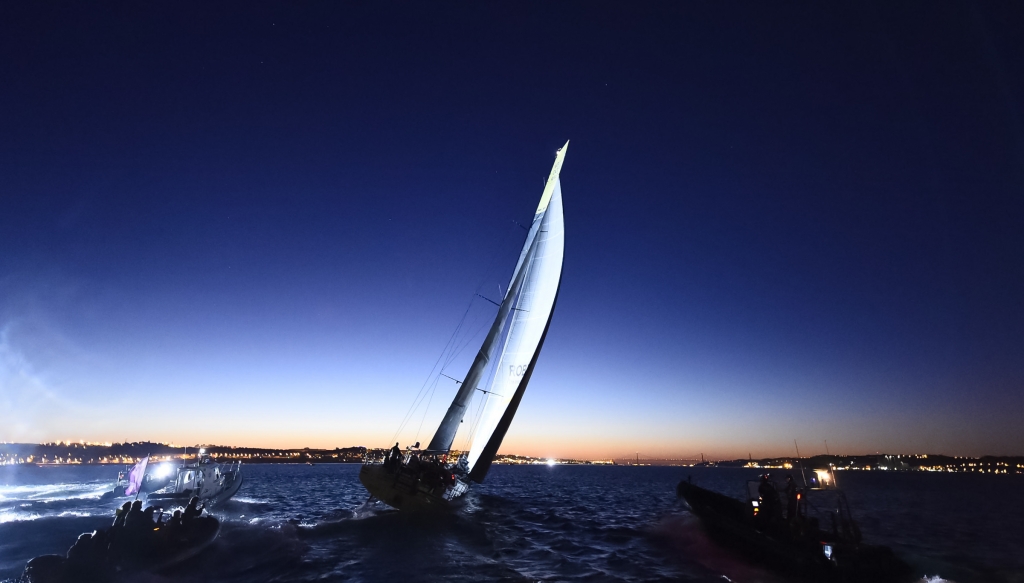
{"type": "Point", "coordinates": [531, 298]}
{"type": "Point", "coordinates": [507, 358]}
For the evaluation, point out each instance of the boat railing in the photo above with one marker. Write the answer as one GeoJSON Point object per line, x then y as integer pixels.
{"type": "Point", "coordinates": [456, 490]}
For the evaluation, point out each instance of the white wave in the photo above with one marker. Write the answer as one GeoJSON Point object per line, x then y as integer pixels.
{"type": "Point", "coordinates": [75, 513]}
{"type": "Point", "coordinates": [8, 515]}
{"type": "Point", "coordinates": [47, 492]}
{"type": "Point", "coordinates": [248, 500]}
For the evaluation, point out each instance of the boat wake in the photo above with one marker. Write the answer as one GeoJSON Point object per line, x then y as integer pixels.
{"type": "Point", "coordinates": [687, 539]}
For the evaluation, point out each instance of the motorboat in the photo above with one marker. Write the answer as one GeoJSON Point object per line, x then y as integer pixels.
{"type": "Point", "coordinates": [156, 478]}
{"type": "Point", "coordinates": [211, 481]}
{"type": "Point", "coordinates": [110, 554]}
{"type": "Point", "coordinates": [795, 542]}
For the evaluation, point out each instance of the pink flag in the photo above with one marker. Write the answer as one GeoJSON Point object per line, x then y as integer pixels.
{"type": "Point", "coordinates": [135, 477]}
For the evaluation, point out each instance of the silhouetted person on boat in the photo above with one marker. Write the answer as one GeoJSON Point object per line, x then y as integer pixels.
{"type": "Point", "coordinates": [394, 457]}
{"type": "Point", "coordinates": [148, 516]}
{"type": "Point", "coordinates": [121, 513]}
{"type": "Point", "coordinates": [193, 510]}
{"type": "Point", "coordinates": [135, 518]}
{"type": "Point", "coordinates": [770, 506]}
{"type": "Point", "coordinates": [173, 523]}
{"type": "Point", "coordinates": [82, 549]}
{"type": "Point", "coordinates": [791, 498]}
{"type": "Point", "coordinates": [100, 542]}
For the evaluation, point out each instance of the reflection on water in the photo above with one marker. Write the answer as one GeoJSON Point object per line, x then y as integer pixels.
{"type": "Point", "coordinates": [564, 523]}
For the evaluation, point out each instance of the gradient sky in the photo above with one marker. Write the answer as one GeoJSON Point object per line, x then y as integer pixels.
{"type": "Point", "coordinates": [259, 224]}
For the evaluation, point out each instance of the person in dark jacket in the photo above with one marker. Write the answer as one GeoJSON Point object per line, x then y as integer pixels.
{"type": "Point", "coordinates": [81, 551]}
{"type": "Point", "coordinates": [135, 518]}
{"type": "Point", "coordinates": [121, 514]}
{"type": "Point", "coordinates": [770, 506]}
{"type": "Point", "coordinates": [394, 457]}
{"type": "Point", "coordinates": [791, 499]}
{"type": "Point", "coordinates": [193, 510]}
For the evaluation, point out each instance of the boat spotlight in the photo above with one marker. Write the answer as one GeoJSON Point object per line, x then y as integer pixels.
{"type": "Point", "coordinates": [823, 477]}
{"type": "Point", "coordinates": [162, 471]}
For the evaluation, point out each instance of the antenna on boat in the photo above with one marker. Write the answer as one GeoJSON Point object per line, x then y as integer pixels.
{"type": "Point", "coordinates": [799, 461]}
{"type": "Point", "coordinates": [831, 468]}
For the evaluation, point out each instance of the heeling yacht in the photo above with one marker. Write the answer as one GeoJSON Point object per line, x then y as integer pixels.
{"type": "Point", "coordinates": [499, 374]}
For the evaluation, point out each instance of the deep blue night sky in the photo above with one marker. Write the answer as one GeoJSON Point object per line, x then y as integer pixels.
{"type": "Point", "coordinates": [259, 224]}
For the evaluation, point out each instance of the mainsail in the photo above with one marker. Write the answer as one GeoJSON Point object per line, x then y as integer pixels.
{"type": "Point", "coordinates": [516, 336]}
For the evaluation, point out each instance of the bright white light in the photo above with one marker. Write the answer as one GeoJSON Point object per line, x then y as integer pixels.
{"type": "Point", "coordinates": [551, 462]}
{"type": "Point", "coordinates": [162, 471]}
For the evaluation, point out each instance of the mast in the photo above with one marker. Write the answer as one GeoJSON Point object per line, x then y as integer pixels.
{"type": "Point", "coordinates": [509, 317]}
{"type": "Point", "coordinates": [445, 434]}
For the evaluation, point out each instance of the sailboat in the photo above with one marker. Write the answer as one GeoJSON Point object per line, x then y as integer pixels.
{"type": "Point", "coordinates": [430, 478]}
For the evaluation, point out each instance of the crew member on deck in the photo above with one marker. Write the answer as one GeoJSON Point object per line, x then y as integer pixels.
{"type": "Point", "coordinates": [396, 455]}
{"type": "Point", "coordinates": [770, 510]}
{"type": "Point", "coordinates": [791, 499]}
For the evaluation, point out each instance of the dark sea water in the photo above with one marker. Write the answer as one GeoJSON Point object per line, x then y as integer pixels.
{"type": "Point", "coordinates": [293, 523]}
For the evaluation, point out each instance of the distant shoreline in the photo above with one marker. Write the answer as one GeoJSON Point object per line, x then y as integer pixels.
{"type": "Point", "coordinates": [82, 453]}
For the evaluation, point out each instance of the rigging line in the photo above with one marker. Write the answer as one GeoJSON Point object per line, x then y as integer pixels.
{"type": "Point", "coordinates": [468, 340]}
{"type": "Point", "coordinates": [463, 340]}
{"type": "Point", "coordinates": [493, 263]}
{"type": "Point", "coordinates": [421, 395]}
{"type": "Point", "coordinates": [418, 398]}
{"type": "Point", "coordinates": [474, 420]}
{"type": "Point", "coordinates": [425, 409]}
{"type": "Point", "coordinates": [452, 352]}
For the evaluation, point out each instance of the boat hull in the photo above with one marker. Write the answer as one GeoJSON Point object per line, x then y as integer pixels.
{"type": "Point", "coordinates": [729, 522]}
{"type": "Point", "coordinates": [135, 555]}
{"type": "Point", "coordinates": [168, 499]}
{"type": "Point", "coordinates": [404, 492]}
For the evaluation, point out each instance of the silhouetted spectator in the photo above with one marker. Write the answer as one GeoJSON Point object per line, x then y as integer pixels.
{"type": "Point", "coordinates": [134, 519]}
{"type": "Point", "coordinates": [81, 551]}
{"type": "Point", "coordinates": [121, 514]}
{"type": "Point", "coordinates": [193, 510]}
